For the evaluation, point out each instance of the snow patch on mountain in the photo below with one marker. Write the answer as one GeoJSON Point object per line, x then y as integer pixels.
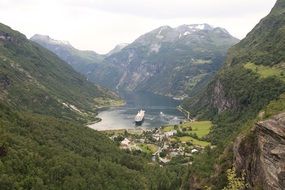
{"type": "Point", "coordinates": [154, 48]}
{"type": "Point", "coordinates": [186, 33]}
{"type": "Point", "coordinates": [47, 39]}
{"type": "Point", "coordinates": [200, 27]}
{"type": "Point", "coordinates": [159, 36]}
{"type": "Point", "coordinates": [118, 48]}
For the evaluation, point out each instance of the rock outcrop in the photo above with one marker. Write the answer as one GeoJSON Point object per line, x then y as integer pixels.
{"type": "Point", "coordinates": [219, 99]}
{"type": "Point", "coordinates": [261, 154]}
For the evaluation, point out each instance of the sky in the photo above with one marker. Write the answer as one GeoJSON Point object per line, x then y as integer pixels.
{"type": "Point", "coordinates": [101, 24]}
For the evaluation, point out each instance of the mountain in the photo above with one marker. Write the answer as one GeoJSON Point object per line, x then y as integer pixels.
{"type": "Point", "coordinates": [44, 141]}
{"type": "Point", "coordinates": [258, 62]}
{"type": "Point", "coordinates": [81, 61]}
{"type": "Point", "coordinates": [117, 48]}
{"type": "Point", "coordinates": [169, 61]}
{"type": "Point", "coordinates": [34, 78]}
{"type": "Point", "coordinates": [265, 43]}
{"type": "Point", "coordinates": [246, 102]}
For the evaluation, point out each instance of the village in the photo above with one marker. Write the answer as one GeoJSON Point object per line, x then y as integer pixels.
{"type": "Point", "coordinates": [164, 144]}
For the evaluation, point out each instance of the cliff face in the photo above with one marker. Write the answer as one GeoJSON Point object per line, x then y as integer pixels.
{"type": "Point", "coordinates": [219, 99]}
{"type": "Point", "coordinates": [262, 154]}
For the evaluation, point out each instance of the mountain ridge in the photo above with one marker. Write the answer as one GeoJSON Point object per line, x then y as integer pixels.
{"type": "Point", "coordinates": [33, 77]}
{"type": "Point", "coordinates": [157, 61]}
{"type": "Point", "coordinates": [167, 51]}
{"type": "Point", "coordinates": [81, 60]}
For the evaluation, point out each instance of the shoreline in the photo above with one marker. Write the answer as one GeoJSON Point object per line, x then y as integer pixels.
{"type": "Point", "coordinates": [129, 130]}
{"type": "Point", "coordinates": [118, 104]}
{"type": "Point", "coordinates": [104, 108]}
{"type": "Point", "coordinates": [185, 112]}
{"type": "Point", "coordinates": [102, 111]}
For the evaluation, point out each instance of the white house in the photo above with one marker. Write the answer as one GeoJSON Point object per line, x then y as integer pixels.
{"type": "Point", "coordinates": [170, 133]}
{"type": "Point", "coordinates": [125, 142]}
{"type": "Point", "coordinates": [194, 150]}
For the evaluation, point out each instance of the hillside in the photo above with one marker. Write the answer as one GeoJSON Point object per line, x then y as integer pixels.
{"type": "Point", "coordinates": [250, 79]}
{"type": "Point", "coordinates": [265, 44]}
{"type": "Point", "coordinates": [117, 48]}
{"type": "Point", "coordinates": [81, 61]}
{"type": "Point", "coordinates": [248, 89]}
{"type": "Point", "coordinates": [169, 61]}
{"type": "Point", "coordinates": [44, 143]}
{"type": "Point", "coordinates": [34, 78]}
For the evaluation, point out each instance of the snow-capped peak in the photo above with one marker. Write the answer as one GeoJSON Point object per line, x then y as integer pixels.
{"type": "Point", "coordinates": [159, 34]}
{"type": "Point", "coordinates": [122, 45]}
{"type": "Point", "coordinates": [118, 48]}
{"type": "Point", "coordinates": [186, 33]}
{"type": "Point", "coordinates": [46, 38]}
{"type": "Point", "coordinates": [200, 27]}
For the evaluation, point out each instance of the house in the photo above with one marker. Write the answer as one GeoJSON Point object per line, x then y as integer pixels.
{"type": "Point", "coordinates": [156, 136]}
{"type": "Point", "coordinates": [188, 154]}
{"type": "Point", "coordinates": [141, 140]}
{"type": "Point", "coordinates": [194, 150]}
{"type": "Point", "coordinates": [125, 142]}
{"type": "Point", "coordinates": [173, 154]}
{"type": "Point", "coordinates": [170, 133]}
{"type": "Point", "coordinates": [164, 160]}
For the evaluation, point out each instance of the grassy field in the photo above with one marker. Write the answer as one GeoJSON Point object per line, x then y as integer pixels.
{"type": "Point", "coordinates": [168, 128]}
{"type": "Point", "coordinates": [192, 140]}
{"type": "Point", "coordinates": [122, 131]}
{"type": "Point", "coordinates": [148, 148]}
{"type": "Point", "coordinates": [107, 102]}
{"type": "Point", "coordinates": [201, 62]}
{"type": "Point", "coordinates": [201, 128]}
{"type": "Point", "coordinates": [275, 106]}
{"type": "Point", "coordinates": [265, 71]}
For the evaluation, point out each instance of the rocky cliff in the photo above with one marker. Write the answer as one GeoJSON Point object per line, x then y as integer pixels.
{"type": "Point", "coordinates": [261, 154]}
{"type": "Point", "coordinates": [251, 82]}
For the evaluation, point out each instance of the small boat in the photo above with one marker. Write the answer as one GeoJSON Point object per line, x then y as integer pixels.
{"type": "Point", "coordinates": [139, 117]}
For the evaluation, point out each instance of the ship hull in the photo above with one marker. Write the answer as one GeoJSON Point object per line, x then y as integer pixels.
{"type": "Point", "coordinates": [139, 123]}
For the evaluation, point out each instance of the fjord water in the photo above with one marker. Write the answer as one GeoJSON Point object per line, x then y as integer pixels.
{"type": "Point", "coordinates": [160, 110]}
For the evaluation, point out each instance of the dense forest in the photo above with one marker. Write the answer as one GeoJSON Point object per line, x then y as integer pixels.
{"type": "Point", "coordinates": [44, 143]}
{"type": "Point", "coordinates": [42, 152]}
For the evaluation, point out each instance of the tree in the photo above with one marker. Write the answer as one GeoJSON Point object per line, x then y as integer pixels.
{"type": "Point", "coordinates": [234, 182]}
{"type": "Point", "coordinates": [176, 127]}
{"type": "Point", "coordinates": [3, 151]}
{"type": "Point", "coordinates": [162, 154]}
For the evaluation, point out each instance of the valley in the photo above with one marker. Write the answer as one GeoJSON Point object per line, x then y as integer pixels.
{"type": "Point", "coordinates": [167, 143]}
{"type": "Point", "coordinates": [212, 107]}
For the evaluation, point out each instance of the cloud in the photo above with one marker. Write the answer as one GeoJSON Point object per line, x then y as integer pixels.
{"type": "Point", "coordinates": [169, 9]}
{"type": "Point", "coordinates": [101, 24]}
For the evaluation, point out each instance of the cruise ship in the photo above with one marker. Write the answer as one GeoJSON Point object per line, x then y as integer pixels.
{"type": "Point", "coordinates": [139, 117]}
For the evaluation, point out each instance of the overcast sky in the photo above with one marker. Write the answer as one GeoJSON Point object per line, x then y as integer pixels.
{"type": "Point", "coordinates": [101, 24]}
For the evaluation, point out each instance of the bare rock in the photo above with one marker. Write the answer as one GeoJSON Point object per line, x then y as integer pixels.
{"type": "Point", "coordinates": [262, 154]}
